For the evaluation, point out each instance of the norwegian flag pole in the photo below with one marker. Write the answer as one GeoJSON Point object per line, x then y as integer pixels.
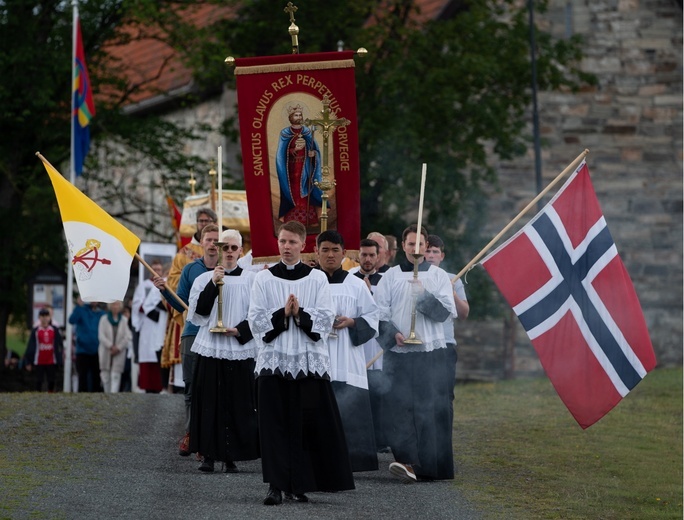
{"type": "Point", "coordinates": [563, 277]}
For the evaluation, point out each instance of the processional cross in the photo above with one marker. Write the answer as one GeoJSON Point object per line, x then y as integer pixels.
{"type": "Point", "coordinates": [291, 9]}
{"type": "Point", "coordinates": [328, 125]}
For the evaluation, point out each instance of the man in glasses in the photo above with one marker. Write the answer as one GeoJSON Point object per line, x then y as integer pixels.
{"type": "Point", "coordinates": [223, 419]}
{"type": "Point", "coordinates": [190, 272]}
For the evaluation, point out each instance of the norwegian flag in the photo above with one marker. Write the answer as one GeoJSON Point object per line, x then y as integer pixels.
{"type": "Point", "coordinates": [563, 277]}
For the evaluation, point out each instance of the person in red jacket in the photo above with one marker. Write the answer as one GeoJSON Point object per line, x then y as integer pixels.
{"type": "Point", "coordinates": [44, 352]}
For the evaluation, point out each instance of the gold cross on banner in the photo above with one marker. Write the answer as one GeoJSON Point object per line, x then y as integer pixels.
{"type": "Point", "coordinates": [328, 125]}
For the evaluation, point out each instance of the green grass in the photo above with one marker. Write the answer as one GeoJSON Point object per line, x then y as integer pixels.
{"type": "Point", "coordinates": [520, 453]}
{"type": "Point", "coordinates": [45, 437]}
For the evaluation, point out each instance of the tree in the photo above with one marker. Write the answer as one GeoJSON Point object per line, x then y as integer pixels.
{"type": "Point", "coordinates": [36, 39]}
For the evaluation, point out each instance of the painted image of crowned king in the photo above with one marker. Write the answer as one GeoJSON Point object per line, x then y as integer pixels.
{"type": "Point", "coordinates": [298, 166]}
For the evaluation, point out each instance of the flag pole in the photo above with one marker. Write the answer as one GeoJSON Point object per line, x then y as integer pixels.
{"type": "Point", "coordinates": [571, 167]}
{"type": "Point", "coordinates": [375, 358]}
{"type": "Point", "coordinates": [72, 167]}
{"type": "Point", "coordinates": [69, 331]}
{"type": "Point", "coordinates": [154, 273]}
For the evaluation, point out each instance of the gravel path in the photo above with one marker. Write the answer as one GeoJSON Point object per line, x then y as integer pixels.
{"type": "Point", "coordinates": [110, 457]}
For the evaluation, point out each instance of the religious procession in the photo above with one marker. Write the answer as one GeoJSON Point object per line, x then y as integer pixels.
{"type": "Point", "coordinates": [294, 338]}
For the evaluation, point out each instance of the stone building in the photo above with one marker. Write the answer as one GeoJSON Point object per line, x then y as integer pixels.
{"type": "Point", "coordinates": [632, 124]}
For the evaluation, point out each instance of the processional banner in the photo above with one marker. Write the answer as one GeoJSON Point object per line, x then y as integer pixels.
{"type": "Point", "coordinates": [278, 99]}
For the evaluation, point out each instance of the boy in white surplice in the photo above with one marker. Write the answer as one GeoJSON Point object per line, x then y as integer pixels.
{"type": "Point", "coordinates": [291, 313]}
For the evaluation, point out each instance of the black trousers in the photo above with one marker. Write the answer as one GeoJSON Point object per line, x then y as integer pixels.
{"type": "Point", "coordinates": [88, 368]}
{"type": "Point", "coordinates": [46, 372]}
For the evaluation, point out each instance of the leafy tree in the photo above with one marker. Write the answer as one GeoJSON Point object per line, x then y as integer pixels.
{"type": "Point", "coordinates": [449, 92]}
{"type": "Point", "coordinates": [36, 38]}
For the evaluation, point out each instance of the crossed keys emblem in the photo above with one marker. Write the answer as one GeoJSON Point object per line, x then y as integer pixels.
{"type": "Point", "coordinates": [89, 256]}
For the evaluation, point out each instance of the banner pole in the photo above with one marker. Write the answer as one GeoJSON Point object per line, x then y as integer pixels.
{"type": "Point", "coordinates": [153, 272]}
{"type": "Point", "coordinates": [571, 167]}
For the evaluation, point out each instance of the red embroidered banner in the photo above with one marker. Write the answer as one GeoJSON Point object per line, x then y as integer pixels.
{"type": "Point", "coordinates": [282, 155]}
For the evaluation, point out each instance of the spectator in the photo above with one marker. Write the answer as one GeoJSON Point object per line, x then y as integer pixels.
{"type": "Point", "coordinates": [114, 336]}
{"type": "Point", "coordinates": [44, 351]}
{"type": "Point", "coordinates": [86, 319]}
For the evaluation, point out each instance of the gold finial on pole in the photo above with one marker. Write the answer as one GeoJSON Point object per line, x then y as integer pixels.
{"type": "Point", "coordinates": [328, 125]}
{"type": "Point", "coordinates": [212, 176]}
{"type": "Point", "coordinates": [293, 29]}
{"type": "Point", "coordinates": [192, 182]}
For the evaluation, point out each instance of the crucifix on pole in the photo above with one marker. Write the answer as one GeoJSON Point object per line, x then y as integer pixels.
{"type": "Point", "coordinates": [291, 9]}
{"type": "Point", "coordinates": [328, 125]}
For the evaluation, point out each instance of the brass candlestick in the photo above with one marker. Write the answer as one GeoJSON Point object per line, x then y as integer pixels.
{"type": "Point", "coordinates": [333, 332]}
{"type": "Point", "coordinates": [412, 339]}
{"type": "Point", "coordinates": [220, 328]}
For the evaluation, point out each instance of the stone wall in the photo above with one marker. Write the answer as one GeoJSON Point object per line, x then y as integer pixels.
{"type": "Point", "coordinates": [632, 124]}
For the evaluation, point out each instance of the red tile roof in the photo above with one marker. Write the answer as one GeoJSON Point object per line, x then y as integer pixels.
{"type": "Point", "coordinates": [152, 67]}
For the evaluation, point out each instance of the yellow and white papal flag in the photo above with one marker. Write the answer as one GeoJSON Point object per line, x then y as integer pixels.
{"type": "Point", "coordinates": [101, 250]}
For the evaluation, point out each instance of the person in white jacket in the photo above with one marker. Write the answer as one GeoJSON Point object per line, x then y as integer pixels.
{"type": "Point", "coordinates": [115, 338]}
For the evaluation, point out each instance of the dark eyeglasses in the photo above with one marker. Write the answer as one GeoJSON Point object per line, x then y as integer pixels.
{"type": "Point", "coordinates": [205, 221]}
{"type": "Point", "coordinates": [231, 247]}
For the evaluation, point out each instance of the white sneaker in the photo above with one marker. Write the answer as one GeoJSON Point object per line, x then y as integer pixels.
{"type": "Point", "coordinates": [403, 472]}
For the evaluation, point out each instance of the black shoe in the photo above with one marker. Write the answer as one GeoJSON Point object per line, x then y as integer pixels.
{"type": "Point", "coordinates": [274, 497]}
{"type": "Point", "coordinates": [207, 465]}
{"type": "Point", "coordinates": [297, 497]}
{"type": "Point", "coordinates": [230, 467]}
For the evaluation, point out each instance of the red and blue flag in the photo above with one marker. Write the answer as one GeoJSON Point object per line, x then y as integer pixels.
{"type": "Point", "coordinates": [83, 105]}
{"type": "Point", "coordinates": [563, 277]}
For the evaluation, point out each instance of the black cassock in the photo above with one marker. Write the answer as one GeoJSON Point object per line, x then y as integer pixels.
{"type": "Point", "coordinates": [223, 417]}
{"type": "Point", "coordinates": [303, 447]}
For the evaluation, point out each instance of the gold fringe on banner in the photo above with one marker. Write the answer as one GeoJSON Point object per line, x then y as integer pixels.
{"type": "Point", "coordinates": [351, 254]}
{"type": "Point", "coordinates": [293, 67]}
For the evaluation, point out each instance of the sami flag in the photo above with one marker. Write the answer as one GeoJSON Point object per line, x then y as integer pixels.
{"type": "Point", "coordinates": [101, 249]}
{"type": "Point", "coordinates": [83, 106]}
{"type": "Point", "coordinates": [566, 283]}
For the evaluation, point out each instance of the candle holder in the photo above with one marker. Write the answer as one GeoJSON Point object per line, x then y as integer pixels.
{"type": "Point", "coordinates": [220, 328]}
{"type": "Point", "coordinates": [333, 332]}
{"type": "Point", "coordinates": [412, 338]}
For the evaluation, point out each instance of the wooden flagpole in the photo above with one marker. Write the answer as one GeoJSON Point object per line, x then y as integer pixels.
{"type": "Point", "coordinates": [154, 273]}
{"type": "Point", "coordinates": [375, 358]}
{"type": "Point", "coordinates": [573, 165]}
